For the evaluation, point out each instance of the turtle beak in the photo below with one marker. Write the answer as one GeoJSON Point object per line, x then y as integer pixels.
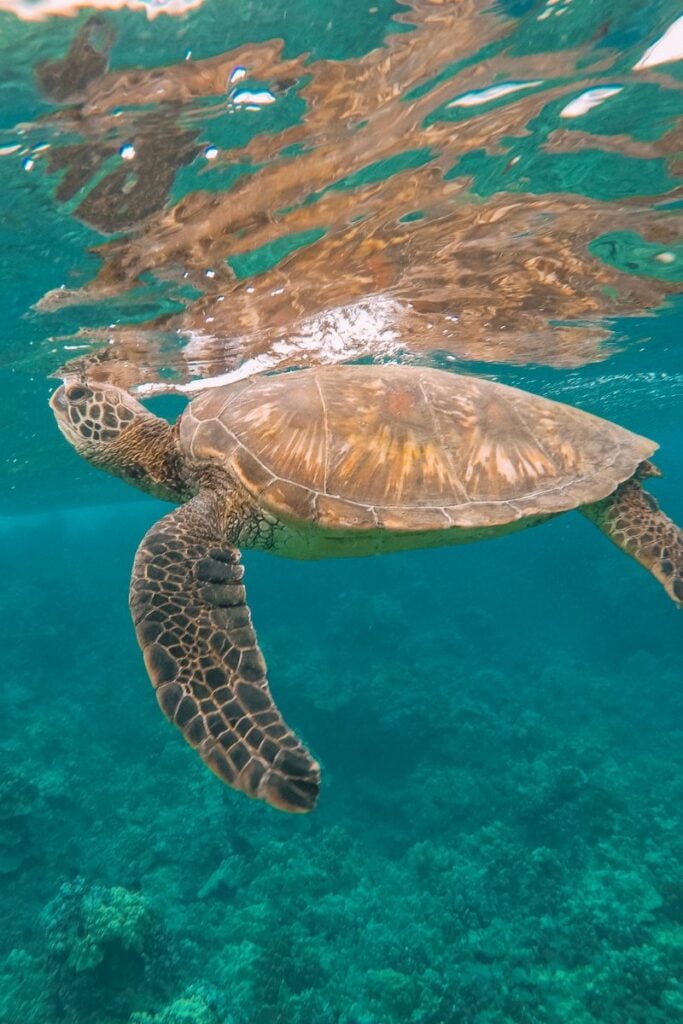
{"type": "Point", "coordinates": [58, 401]}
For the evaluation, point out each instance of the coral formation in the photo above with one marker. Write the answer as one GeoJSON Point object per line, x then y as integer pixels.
{"type": "Point", "coordinates": [199, 1004]}
{"type": "Point", "coordinates": [102, 947]}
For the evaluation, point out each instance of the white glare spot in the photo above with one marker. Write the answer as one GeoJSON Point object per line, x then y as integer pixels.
{"type": "Point", "coordinates": [243, 97]}
{"type": "Point", "coordinates": [210, 152]}
{"type": "Point", "coordinates": [668, 48]}
{"type": "Point", "coordinates": [127, 152]}
{"type": "Point", "coordinates": [589, 99]}
{"type": "Point", "coordinates": [335, 335]}
{"type": "Point", "coordinates": [472, 99]}
{"type": "Point", "coordinates": [666, 257]}
{"type": "Point", "coordinates": [210, 273]}
{"type": "Point", "coordinates": [237, 74]}
{"type": "Point", "coordinates": [38, 10]}
{"type": "Point", "coordinates": [28, 164]}
{"type": "Point", "coordinates": [250, 289]}
{"type": "Point", "coordinates": [550, 9]}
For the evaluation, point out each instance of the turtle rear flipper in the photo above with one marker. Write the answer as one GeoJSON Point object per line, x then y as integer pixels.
{"type": "Point", "coordinates": [194, 627]}
{"type": "Point", "coordinates": [632, 520]}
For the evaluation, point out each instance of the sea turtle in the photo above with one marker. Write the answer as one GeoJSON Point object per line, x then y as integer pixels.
{"type": "Point", "coordinates": [337, 460]}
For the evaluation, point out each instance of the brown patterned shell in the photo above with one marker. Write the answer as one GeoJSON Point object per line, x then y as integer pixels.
{"type": "Point", "coordinates": [404, 448]}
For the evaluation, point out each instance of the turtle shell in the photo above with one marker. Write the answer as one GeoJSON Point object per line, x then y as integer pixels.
{"type": "Point", "coordinates": [406, 448]}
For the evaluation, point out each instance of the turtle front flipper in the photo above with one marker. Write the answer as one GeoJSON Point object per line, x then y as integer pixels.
{"type": "Point", "coordinates": [193, 624]}
{"type": "Point", "coordinates": [632, 520]}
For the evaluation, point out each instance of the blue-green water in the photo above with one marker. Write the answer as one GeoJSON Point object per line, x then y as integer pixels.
{"type": "Point", "coordinates": [499, 837]}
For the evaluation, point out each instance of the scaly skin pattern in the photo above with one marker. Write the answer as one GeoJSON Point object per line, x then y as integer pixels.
{"type": "Point", "coordinates": [193, 624]}
{"type": "Point", "coordinates": [632, 520]}
{"type": "Point", "coordinates": [110, 429]}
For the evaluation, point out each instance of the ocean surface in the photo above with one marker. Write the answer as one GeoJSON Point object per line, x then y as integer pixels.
{"type": "Point", "coordinates": [191, 193]}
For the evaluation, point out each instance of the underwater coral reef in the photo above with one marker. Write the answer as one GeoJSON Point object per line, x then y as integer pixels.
{"type": "Point", "coordinates": [499, 838]}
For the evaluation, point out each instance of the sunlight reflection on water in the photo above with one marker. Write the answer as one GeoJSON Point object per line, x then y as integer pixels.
{"type": "Point", "coordinates": [429, 185]}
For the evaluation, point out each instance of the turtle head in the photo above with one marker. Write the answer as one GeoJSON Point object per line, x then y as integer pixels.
{"type": "Point", "coordinates": [92, 416]}
{"type": "Point", "coordinates": [113, 431]}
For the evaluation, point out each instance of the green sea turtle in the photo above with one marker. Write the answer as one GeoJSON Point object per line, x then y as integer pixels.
{"type": "Point", "coordinates": [340, 460]}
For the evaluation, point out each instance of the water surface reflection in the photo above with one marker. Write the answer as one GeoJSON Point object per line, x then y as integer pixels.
{"type": "Point", "coordinates": [480, 187]}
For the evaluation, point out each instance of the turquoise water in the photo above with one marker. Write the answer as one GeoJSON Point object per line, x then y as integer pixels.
{"type": "Point", "coordinates": [499, 835]}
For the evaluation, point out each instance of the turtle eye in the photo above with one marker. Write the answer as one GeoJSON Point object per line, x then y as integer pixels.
{"type": "Point", "coordinates": [76, 393]}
